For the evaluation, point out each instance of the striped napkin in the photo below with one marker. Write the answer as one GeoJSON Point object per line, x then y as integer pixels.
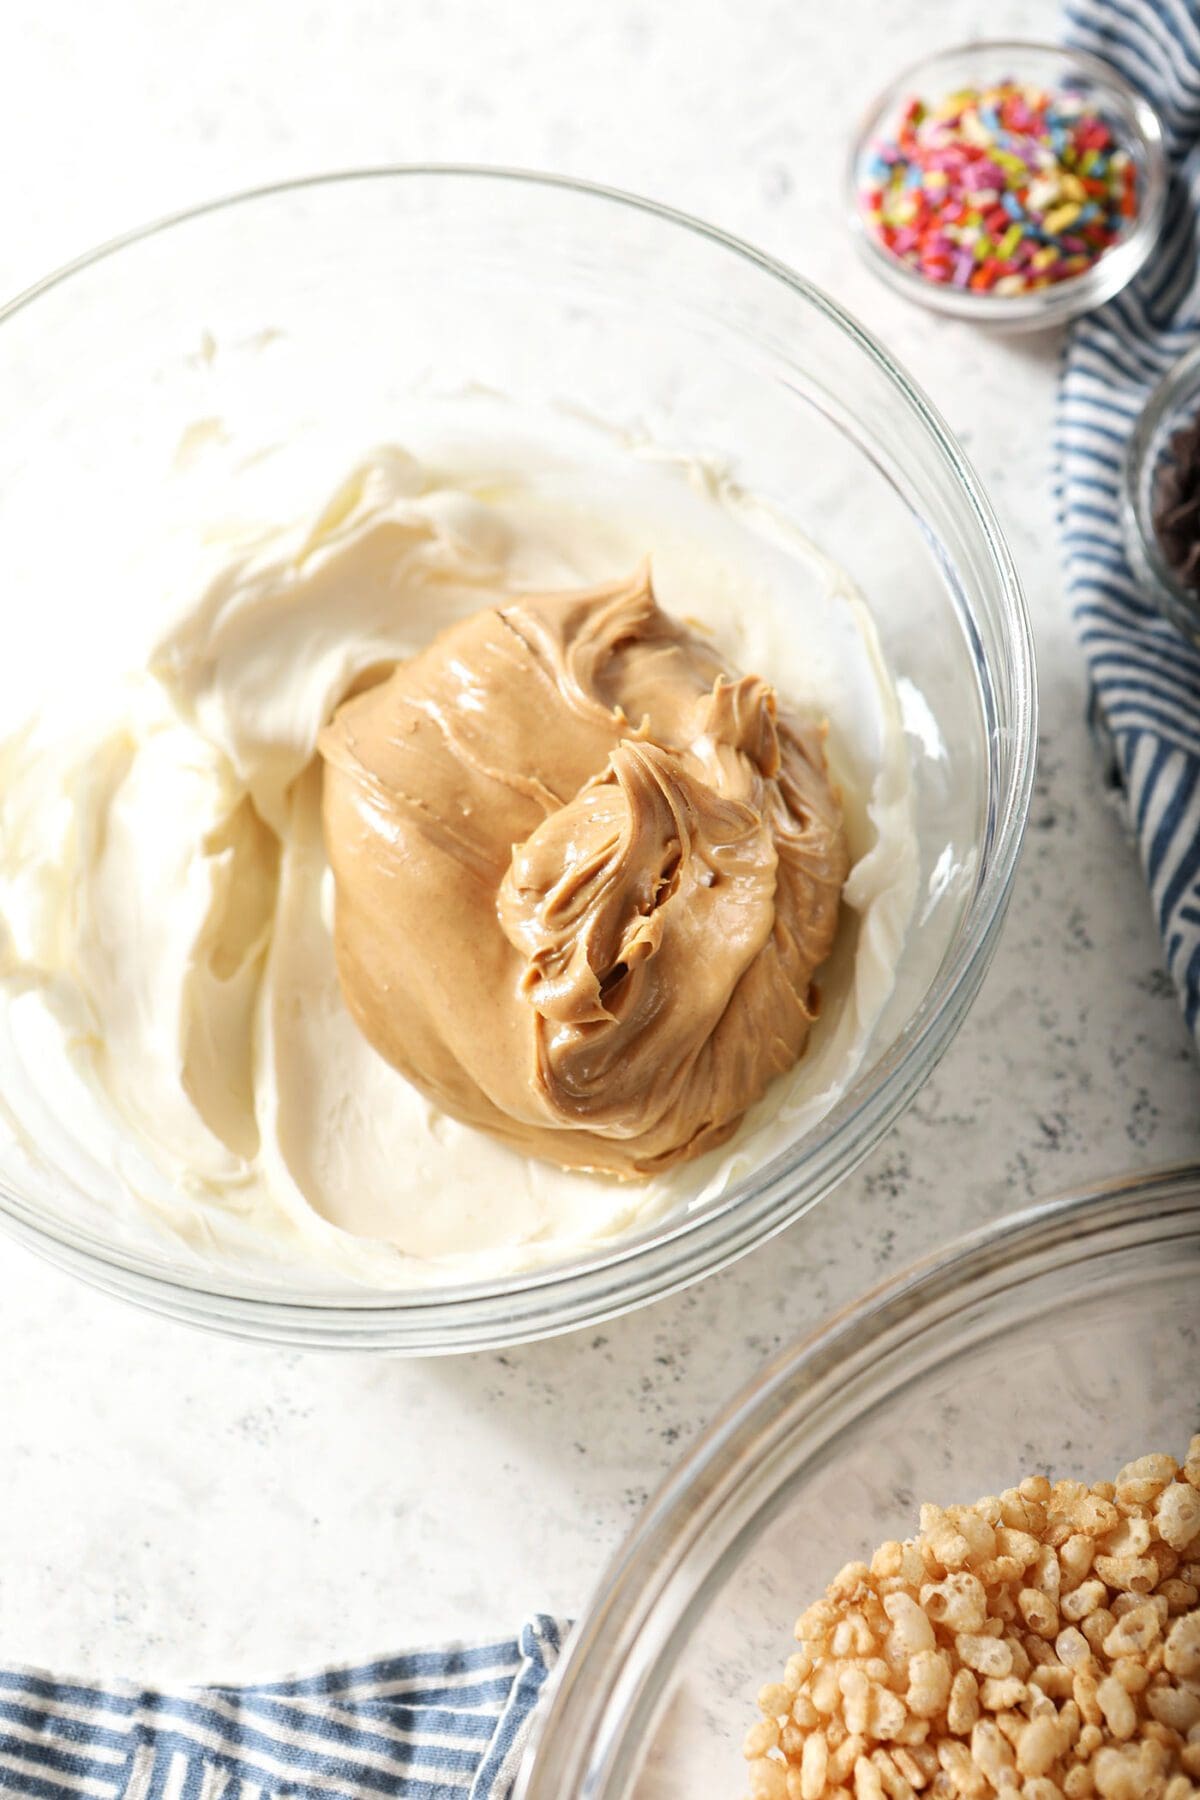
{"type": "Point", "coordinates": [1145, 676]}
{"type": "Point", "coordinates": [442, 1724]}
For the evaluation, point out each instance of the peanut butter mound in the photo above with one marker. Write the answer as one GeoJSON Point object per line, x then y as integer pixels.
{"type": "Point", "coordinates": [585, 877]}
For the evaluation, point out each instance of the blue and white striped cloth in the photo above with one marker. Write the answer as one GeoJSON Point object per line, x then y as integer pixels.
{"type": "Point", "coordinates": [1145, 677]}
{"type": "Point", "coordinates": [442, 1724]}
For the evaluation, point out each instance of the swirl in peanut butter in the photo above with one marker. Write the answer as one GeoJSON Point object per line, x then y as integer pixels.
{"type": "Point", "coordinates": [585, 878]}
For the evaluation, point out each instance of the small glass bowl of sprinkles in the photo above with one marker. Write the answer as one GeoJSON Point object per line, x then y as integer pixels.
{"type": "Point", "coordinates": [1015, 184]}
{"type": "Point", "coordinates": [1160, 496]}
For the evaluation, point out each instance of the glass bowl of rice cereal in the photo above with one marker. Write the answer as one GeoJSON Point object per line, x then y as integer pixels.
{"type": "Point", "coordinates": [819, 1603]}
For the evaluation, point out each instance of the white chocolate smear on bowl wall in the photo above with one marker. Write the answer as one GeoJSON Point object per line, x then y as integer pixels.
{"type": "Point", "coordinates": [167, 981]}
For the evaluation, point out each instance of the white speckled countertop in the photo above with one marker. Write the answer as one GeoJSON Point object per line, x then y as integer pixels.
{"type": "Point", "coordinates": [178, 1506]}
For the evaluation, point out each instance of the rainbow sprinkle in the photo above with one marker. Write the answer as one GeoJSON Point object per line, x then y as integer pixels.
{"type": "Point", "coordinates": [1001, 189]}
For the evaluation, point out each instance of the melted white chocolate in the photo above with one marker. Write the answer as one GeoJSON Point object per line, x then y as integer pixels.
{"type": "Point", "coordinates": [167, 979]}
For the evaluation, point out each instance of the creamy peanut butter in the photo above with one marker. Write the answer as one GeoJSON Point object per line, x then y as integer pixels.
{"type": "Point", "coordinates": [585, 877]}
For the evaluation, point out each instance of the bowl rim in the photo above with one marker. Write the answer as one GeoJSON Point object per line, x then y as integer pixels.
{"type": "Point", "coordinates": [594, 1676]}
{"type": "Point", "coordinates": [1045, 307]}
{"type": "Point", "coordinates": [659, 1259]}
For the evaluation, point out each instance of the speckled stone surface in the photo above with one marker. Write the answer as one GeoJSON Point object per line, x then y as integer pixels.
{"type": "Point", "coordinates": [176, 1506]}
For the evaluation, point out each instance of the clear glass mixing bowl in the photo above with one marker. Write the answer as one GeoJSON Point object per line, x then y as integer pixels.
{"type": "Point", "coordinates": [313, 313]}
{"type": "Point", "coordinates": [1063, 1340]}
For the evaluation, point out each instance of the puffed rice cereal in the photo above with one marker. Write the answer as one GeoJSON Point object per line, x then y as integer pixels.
{"type": "Point", "coordinates": [1044, 1643]}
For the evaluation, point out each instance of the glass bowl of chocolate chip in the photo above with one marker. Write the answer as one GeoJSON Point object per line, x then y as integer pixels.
{"type": "Point", "coordinates": [1160, 497]}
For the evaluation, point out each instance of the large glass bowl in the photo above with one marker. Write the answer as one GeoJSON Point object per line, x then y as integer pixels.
{"type": "Point", "coordinates": [315, 312]}
{"type": "Point", "coordinates": [1064, 1340]}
